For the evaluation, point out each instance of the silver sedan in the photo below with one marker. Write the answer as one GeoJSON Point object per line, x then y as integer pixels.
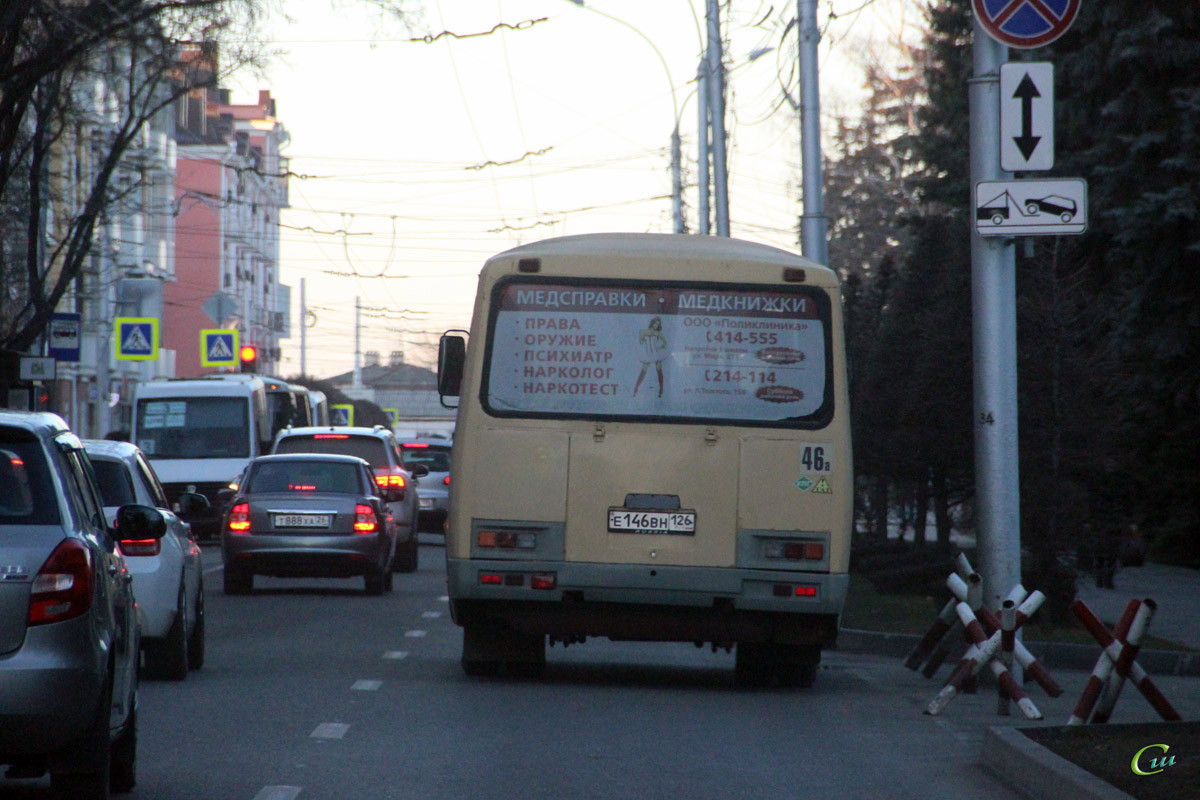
{"type": "Point", "coordinates": [308, 515]}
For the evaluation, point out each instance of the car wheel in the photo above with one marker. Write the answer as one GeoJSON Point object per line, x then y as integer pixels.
{"type": "Point", "coordinates": [388, 580]}
{"type": "Point", "coordinates": [238, 581]}
{"type": "Point", "coordinates": [96, 752]}
{"type": "Point", "coordinates": [406, 555]}
{"type": "Point", "coordinates": [168, 659]}
{"type": "Point", "coordinates": [123, 756]}
{"type": "Point", "coordinates": [196, 642]}
{"type": "Point", "coordinates": [374, 581]}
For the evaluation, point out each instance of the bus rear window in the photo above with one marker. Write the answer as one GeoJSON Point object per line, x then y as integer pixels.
{"type": "Point", "coordinates": [194, 427]}
{"type": "Point", "coordinates": [685, 352]}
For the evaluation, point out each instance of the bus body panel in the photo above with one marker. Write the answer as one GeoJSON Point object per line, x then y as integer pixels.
{"type": "Point", "coordinates": [676, 463]}
{"type": "Point", "coordinates": [755, 487]}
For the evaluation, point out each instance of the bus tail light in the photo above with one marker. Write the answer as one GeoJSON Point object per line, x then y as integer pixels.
{"type": "Point", "coordinates": [364, 519]}
{"type": "Point", "coordinates": [239, 518]}
{"type": "Point", "coordinates": [526, 540]}
{"type": "Point", "coordinates": [543, 580]}
{"type": "Point", "coordinates": [795, 551]}
{"type": "Point", "coordinates": [787, 590]}
{"type": "Point", "coordinates": [63, 587]}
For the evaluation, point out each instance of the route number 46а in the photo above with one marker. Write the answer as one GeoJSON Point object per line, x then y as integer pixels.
{"type": "Point", "coordinates": [816, 457]}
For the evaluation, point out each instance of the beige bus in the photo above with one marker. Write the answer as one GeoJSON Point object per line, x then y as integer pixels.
{"type": "Point", "coordinates": [652, 443]}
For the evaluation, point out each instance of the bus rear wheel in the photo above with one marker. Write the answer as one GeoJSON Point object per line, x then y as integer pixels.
{"type": "Point", "coordinates": [489, 646]}
{"type": "Point", "coordinates": [758, 664]}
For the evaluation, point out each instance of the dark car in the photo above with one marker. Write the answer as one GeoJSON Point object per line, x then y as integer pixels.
{"type": "Point", "coordinates": [69, 636]}
{"type": "Point", "coordinates": [379, 448]}
{"type": "Point", "coordinates": [309, 515]}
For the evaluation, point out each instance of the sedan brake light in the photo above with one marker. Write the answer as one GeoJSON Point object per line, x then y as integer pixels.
{"type": "Point", "coordinates": [63, 587]}
{"type": "Point", "coordinates": [365, 520]}
{"type": "Point", "coordinates": [239, 518]}
{"type": "Point", "coordinates": [140, 547]}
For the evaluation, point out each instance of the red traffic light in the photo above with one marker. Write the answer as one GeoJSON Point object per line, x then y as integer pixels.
{"type": "Point", "coordinates": [248, 356]}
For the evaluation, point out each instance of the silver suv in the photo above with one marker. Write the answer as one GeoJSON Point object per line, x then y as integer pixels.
{"type": "Point", "coordinates": [68, 624]}
{"type": "Point", "coordinates": [378, 447]}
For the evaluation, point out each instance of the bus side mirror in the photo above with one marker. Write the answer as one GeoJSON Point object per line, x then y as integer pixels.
{"type": "Point", "coordinates": [452, 354]}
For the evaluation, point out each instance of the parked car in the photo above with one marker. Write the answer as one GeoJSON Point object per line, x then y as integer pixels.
{"type": "Point", "coordinates": [379, 448]}
{"type": "Point", "coordinates": [309, 515]}
{"type": "Point", "coordinates": [68, 622]}
{"type": "Point", "coordinates": [434, 455]}
{"type": "Point", "coordinates": [167, 576]}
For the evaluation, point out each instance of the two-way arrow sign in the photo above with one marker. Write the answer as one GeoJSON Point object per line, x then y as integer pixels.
{"type": "Point", "coordinates": [1026, 116]}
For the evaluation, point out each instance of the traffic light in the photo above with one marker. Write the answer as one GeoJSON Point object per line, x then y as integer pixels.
{"type": "Point", "coordinates": [248, 358]}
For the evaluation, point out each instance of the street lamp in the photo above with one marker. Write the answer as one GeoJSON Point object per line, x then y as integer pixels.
{"type": "Point", "coordinates": [676, 149]}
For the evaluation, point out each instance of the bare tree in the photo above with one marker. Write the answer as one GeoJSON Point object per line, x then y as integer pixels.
{"type": "Point", "coordinates": [79, 80]}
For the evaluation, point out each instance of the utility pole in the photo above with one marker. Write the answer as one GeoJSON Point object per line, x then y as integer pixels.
{"type": "Point", "coordinates": [716, 94]}
{"type": "Point", "coordinates": [677, 179]}
{"type": "Point", "coordinates": [705, 221]}
{"type": "Point", "coordinates": [993, 307]}
{"type": "Point", "coordinates": [357, 349]}
{"type": "Point", "coordinates": [813, 241]}
{"type": "Point", "coordinates": [303, 331]}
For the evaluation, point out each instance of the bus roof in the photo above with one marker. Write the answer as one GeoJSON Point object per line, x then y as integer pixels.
{"type": "Point", "coordinates": [237, 385]}
{"type": "Point", "coordinates": [665, 246]}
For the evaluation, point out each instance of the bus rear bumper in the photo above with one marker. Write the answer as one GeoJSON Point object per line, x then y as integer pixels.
{"type": "Point", "coordinates": [654, 603]}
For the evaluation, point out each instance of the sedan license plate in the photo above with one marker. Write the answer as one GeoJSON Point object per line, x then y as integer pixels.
{"type": "Point", "coordinates": [301, 520]}
{"type": "Point", "coordinates": [636, 520]}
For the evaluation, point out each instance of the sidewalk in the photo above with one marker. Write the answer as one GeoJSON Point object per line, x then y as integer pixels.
{"type": "Point", "coordinates": [1020, 760]}
{"type": "Point", "coordinates": [1176, 590]}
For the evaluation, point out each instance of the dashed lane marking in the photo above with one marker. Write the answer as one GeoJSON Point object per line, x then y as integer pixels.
{"type": "Point", "coordinates": [414, 634]}
{"type": "Point", "coordinates": [431, 615]}
{"type": "Point", "coordinates": [366, 686]}
{"type": "Point", "coordinates": [444, 598]}
{"type": "Point", "coordinates": [330, 730]}
{"type": "Point", "coordinates": [395, 655]}
{"type": "Point", "coordinates": [278, 793]}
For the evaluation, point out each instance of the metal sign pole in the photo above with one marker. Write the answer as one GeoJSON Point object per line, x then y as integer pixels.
{"type": "Point", "coordinates": [994, 320]}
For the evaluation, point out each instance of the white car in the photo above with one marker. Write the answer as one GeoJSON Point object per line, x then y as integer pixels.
{"type": "Point", "coordinates": [167, 578]}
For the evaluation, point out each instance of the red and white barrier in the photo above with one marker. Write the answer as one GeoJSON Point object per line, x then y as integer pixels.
{"type": "Point", "coordinates": [1033, 668]}
{"type": "Point", "coordinates": [1119, 653]}
{"type": "Point", "coordinates": [983, 652]}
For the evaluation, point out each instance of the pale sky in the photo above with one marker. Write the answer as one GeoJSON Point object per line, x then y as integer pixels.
{"type": "Point", "coordinates": [405, 143]}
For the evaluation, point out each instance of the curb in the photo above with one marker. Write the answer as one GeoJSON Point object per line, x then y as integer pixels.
{"type": "Point", "coordinates": [1038, 772]}
{"type": "Point", "coordinates": [1051, 654]}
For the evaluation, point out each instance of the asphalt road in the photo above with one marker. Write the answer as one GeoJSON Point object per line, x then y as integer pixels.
{"type": "Point", "coordinates": [314, 690]}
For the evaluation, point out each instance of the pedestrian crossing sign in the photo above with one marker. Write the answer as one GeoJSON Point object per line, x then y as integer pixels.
{"type": "Point", "coordinates": [218, 348]}
{"type": "Point", "coordinates": [341, 414]}
{"type": "Point", "coordinates": [136, 338]}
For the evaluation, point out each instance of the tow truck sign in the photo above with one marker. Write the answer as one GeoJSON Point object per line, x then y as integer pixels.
{"type": "Point", "coordinates": [1031, 208]}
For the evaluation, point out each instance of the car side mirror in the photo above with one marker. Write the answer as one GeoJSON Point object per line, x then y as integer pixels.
{"type": "Point", "coordinates": [417, 470]}
{"type": "Point", "coordinates": [140, 522]}
{"type": "Point", "coordinates": [191, 504]}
